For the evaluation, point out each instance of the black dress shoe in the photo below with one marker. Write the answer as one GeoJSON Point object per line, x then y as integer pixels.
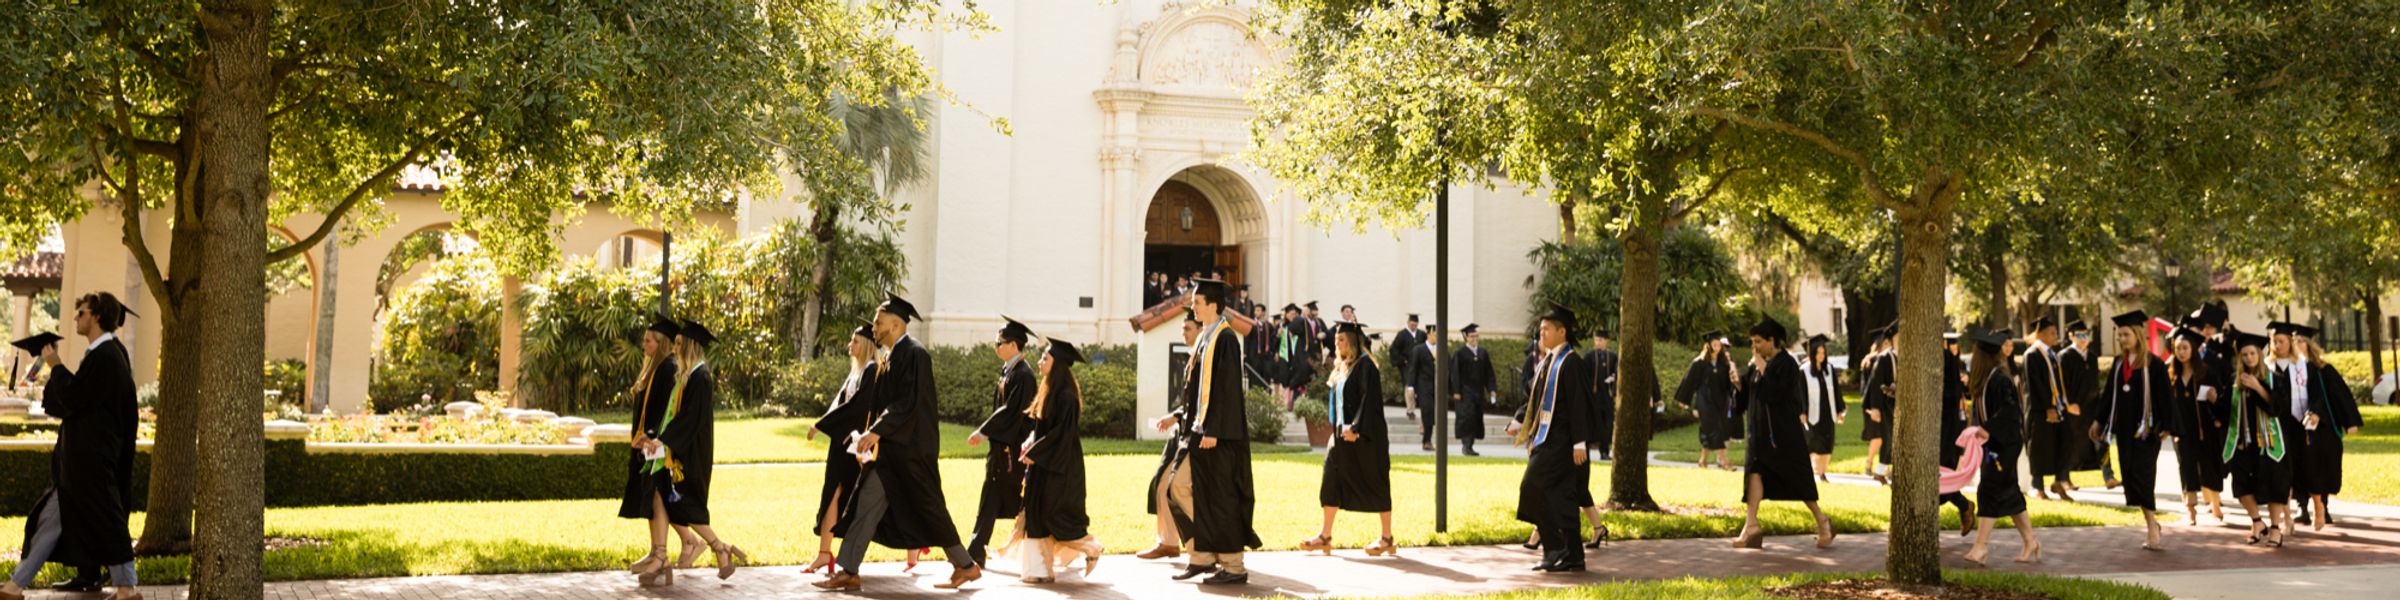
{"type": "Point", "coordinates": [1227, 578]}
{"type": "Point", "coordinates": [1469, 452]}
{"type": "Point", "coordinates": [1573, 568]}
{"type": "Point", "coordinates": [1544, 567]}
{"type": "Point", "coordinates": [1195, 571]}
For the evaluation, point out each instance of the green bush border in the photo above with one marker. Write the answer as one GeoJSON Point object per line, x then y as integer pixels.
{"type": "Point", "coordinates": [298, 477]}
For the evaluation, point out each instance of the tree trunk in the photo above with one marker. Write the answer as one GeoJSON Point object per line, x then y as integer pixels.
{"type": "Point", "coordinates": [1637, 376]}
{"type": "Point", "coordinates": [167, 530]}
{"type": "Point", "coordinates": [1998, 310]}
{"type": "Point", "coordinates": [320, 385]}
{"type": "Point", "coordinates": [231, 105]}
{"type": "Point", "coordinates": [2375, 335]}
{"type": "Point", "coordinates": [812, 312]}
{"type": "Point", "coordinates": [1913, 554]}
{"type": "Point", "coordinates": [1566, 217]}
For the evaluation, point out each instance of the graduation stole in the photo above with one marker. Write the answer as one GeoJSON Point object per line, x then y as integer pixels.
{"type": "Point", "coordinates": [2058, 397]}
{"type": "Point", "coordinates": [674, 405]}
{"type": "Point", "coordinates": [1546, 386]}
{"type": "Point", "coordinates": [1339, 381]}
{"type": "Point", "coordinates": [1208, 364]}
{"type": "Point", "coordinates": [2269, 429]}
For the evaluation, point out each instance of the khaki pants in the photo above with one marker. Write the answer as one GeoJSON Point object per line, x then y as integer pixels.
{"type": "Point", "coordinates": [1180, 491]}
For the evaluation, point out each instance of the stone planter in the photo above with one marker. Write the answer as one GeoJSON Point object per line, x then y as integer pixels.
{"type": "Point", "coordinates": [1320, 434]}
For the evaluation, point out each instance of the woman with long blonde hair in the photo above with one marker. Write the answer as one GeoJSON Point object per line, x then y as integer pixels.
{"type": "Point", "coordinates": [2322, 413]}
{"type": "Point", "coordinates": [847, 414]}
{"type": "Point", "coordinates": [2256, 447]}
{"type": "Point", "coordinates": [650, 394]}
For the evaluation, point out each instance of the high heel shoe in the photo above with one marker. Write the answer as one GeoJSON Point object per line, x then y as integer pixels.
{"type": "Point", "coordinates": [848, 582]}
{"type": "Point", "coordinates": [1750, 538]}
{"type": "Point", "coordinates": [658, 554]}
{"type": "Point", "coordinates": [692, 546]}
{"type": "Point", "coordinates": [661, 574]}
{"type": "Point", "coordinates": [2256, 532]}
{"type": "Point", "coordinates": [729, 557]}
{"type": "Point", "coordinates": [823, 562]}
{"type": "Point", "coordinates": [1320, 543]}
{"type": "Point", "coordinates": [2157, 541]}
{"type": "Point", "coordinates": [2275, 537]}
{"type": "Point", "coordinates": [2033, 554]}
{"type": "Point", "coordinates": [1825, 533]}
{"type": "Point", "coordinates": [1977, 555]}
{"type": "Point", "coordinates": [1599, 535]}
{"type": "Point", "coordinates": [1383, 547]}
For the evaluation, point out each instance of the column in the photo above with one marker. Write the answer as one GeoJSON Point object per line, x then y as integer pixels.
{"type": "Point", "coordinates": [512, 333]}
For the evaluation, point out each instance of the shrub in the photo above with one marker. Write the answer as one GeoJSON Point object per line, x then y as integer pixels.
{"type": "Point", "coordinates": [440, 337]}
{"type": "Point", "coordinates": [583, 328]}
{"type": "Point", "coordinates": [1312, 410]}
{"type": "Point", "coordinates": [1699, 288]}
{"type": "Point", "coordinates": [1265, 415]}
{"type": "Point", "coordinates": [289, 379]}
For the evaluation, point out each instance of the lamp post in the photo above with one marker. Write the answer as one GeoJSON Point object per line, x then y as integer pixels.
{"type": "Point", "coordinates": [2174, 285]}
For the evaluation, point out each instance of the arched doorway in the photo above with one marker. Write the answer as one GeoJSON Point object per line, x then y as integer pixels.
{"type": "Point", "coordinates": [1204, 219]}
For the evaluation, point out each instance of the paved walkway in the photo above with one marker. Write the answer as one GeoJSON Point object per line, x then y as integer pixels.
{"type": "Point", "coordinates": [2194, 557]}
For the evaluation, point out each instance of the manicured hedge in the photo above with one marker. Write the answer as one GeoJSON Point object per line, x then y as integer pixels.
{"type": "Point", "coordinates": [297, 477]}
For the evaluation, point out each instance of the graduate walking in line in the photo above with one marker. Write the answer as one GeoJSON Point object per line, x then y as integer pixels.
{"type": "Point", "coordinates": [1358, 465]}
{"type": "Point", "coordinates": [1055, 523]}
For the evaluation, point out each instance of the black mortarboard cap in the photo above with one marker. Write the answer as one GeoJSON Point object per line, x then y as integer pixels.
{"type": "Point", "coordinates": [2133, 318]}
{"type": "Point", "coordinates": [1350, 327]}
{"type": "Point", "coordinates": [2304, 330]}
{"type": "Point", "coordinates": [1014, 331]}
{"type": "Point", "coordinates": [1064, 351]}
{"type": "Point", "coordinates": [2078, 325]}
{"type": "Point", "coordinates": [694, 331]}
{"type": "Point", "coordinates": [898, 307]}
{"type": "Point", "coordinates": [2242, 340]}
{"type": "Point", "coordinates": [1600, 332]}
{"type": "Point", "coordinates": [1470, 328]}
{"type": "Point", "coordinates": [2215, 313]}
{"type": "Point", "coordinates": [2190, 335]}
{"type": "Point", "coordinates": [1312, 305]}
{"type": "Point", "coordinates": [1988, 339]}
{"type": "Point", "coordinates": [1559, 313]}
{"type": "Point", "coordinates": [1212, 288]}
{"type": "Point", "coordinates": [2043, 323]}
{"type": "Point", "coordinates": [1711, 336]}
{"type": "Point", "coordinates": [1412, 316]}
{"type": "Point", "coordinates": [34, 343]}
{"type": "Point", "coordinates": [1769, 328]}
{"type": "Point", "coordinates": [665, 326]}
{"type": "Point", "coordinates": [1291, 308]}
{"type": "Point", "coordinates": [1818, 340]}
{"type": "Point", "coordinates": [865, 331]}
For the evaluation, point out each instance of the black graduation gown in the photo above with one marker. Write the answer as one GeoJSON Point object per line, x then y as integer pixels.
{"type": "Point", "coordinates": [1954, 409]}
{"type": "Point", "coordinates": [691, 439]}
{"type": "Point", "coordinates": [1299, 345]}
{"type": "Point", "coordinates": [1358, 475]}
{"type": "Point", "coordinates": [2140, 404]}
{"type": "Point", "coordinates": [2199, 440]}
{"type": "Point", "coordinates": [1222, 494]}
{"type": "Point", "coordinates": [849, 414]}
{"type": "Point", "coordinates": [1776, 397]}
{"type": "Point", "coordinates": [2319, 471]}
{"type": "Point", "coordinates": [2002, 414]}
{"type": "Point", "coordinates": [908, 452]}
{"type": "Point", "coordinates": [1054, 490]}
{"type": "Point", "coordinates": [1006, 431]}
{"type": "Point", "coordinates": [1707, 388]}
{"type": "Point", "coordinates": [648, 410]}
{"type": "Point", "coordinates": [1471, 381]}
{"type": "Point", "coordinates": [1549, 497]}
{"type": "Point", "coordinates": [1419, 377]}
{"type": "Point", "coordinates": [1404, 349]}
{"type": "Point", "coordinates": [1258, 352]}
{"type": "Point", "coordinates": [2049, 433]}
{"type": "Point", "coordinates": [2257, 422]}
{"type": "Point", "coordinates": [91, 465]}
{"type": "Point", "coordinates": [2079, 372]}
{"type": "Point", "coordinates": [1604, 399]}
{"type": "Point", "coordinates": [1829, 405]}
{"type": "Point", "coordinates": [1870, 396]}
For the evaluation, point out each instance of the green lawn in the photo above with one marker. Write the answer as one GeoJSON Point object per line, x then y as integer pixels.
{"type": "Point", "coordinates": [2064, 588]}
{"type": "Point", "coordinates": [766, 510]}
{"type": "Point", "coordinates": [2371, 459]}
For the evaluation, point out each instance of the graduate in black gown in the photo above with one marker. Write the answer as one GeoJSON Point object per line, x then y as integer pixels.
{"type": "Point", "coordinates": [1875, 402]}
{"type": "Point", "coordinates": [1604, 393]}
{"type": "Point", "coordinates": [2050, 434]}
{"type": "Point", "coordinates": [685, 449]}
{"type": "Point", "coordinates": [1956, 405]}
{"type": "Point", "coordinates": [1170, 543]}
{"type": "Point", "coordinates": [1423, 361]}
{"type": "Point", "coordinates": [2079, 372]}
{"type": "Point", "coordinates": [82, 520]}
{"type": "Point", "coordinates": [1471, 389]}
{"type": "Point", "coordinates": [1006, 429]}
{"type": "Point", "coordinates": [2325, 413]}
{"type": "Point", "coordinates": [1057, 528]}
{"type": "Point", "coordinates": [1295, 348]}
{"type": "Point", "coordinates": [1258, 348]}
{"type": "Point", "coordinates": [1775, 466]}
{"type": "Point", "coordinates": [650, 391]}
{"type": "Point", "coordinates": [2196, 445]}
{"type": "Point", "coordinates": [1358, 466]}
{"type": "Point", "coordinates": [1403, 349]}
{"type": "Point", "coordinates": [1556, 434]}
{"type": "Point", "coordinates": [899, 503]}
{"type": "Point", "coordinates": [2000, 411]}
{"type": "Point", "coordinates": [1708, 387]}
{"type": "Point", "coordinates": [1210, 489]}
{"type": "Point", "coordinates": [846, 416]}
{"type": "Point", "coordinates": [2140, 404]}
{"type": "Point", "coordinates": [1826, 409]}
{"type": "Point", "coordinates": [2256, 447]}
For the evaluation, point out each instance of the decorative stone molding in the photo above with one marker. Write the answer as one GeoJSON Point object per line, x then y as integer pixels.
{"type": "Point", "coordinates": [280, 429]}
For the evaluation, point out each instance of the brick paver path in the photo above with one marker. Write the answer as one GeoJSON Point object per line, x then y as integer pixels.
{"type": "Point", "coordinates": [1461, 570]}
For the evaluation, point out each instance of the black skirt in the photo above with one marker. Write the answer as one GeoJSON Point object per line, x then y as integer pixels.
{"type": "Point", "coordinates": [1358, 475]}
{"type": "Point", "coordinates": [2319, 470]}
{"type": "Point", "coordinates": [2261, 479]}
{"type": "Point", "coordinates": [1820, 438]}
{"type": "Point", "coordinates": [2200, 464]}
{"type": "Point", "coordinates": [1996, 491]}
{"type": "Point", "coordinates": [2137, 464]}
